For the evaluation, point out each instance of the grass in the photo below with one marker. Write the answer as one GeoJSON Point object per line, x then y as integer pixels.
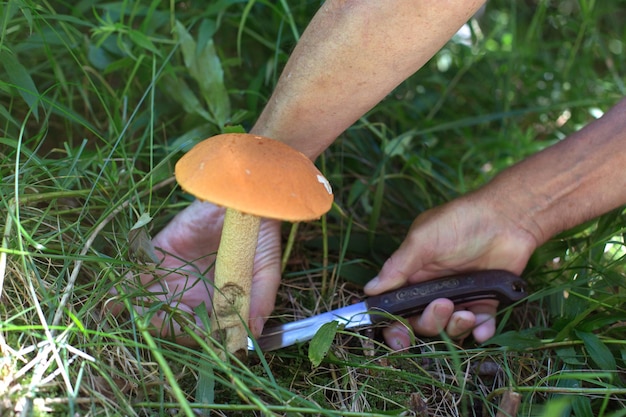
{"type": "Point", "coordinates": [97, 102]}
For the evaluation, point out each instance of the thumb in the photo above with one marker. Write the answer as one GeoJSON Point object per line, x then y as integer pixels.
{"type": "Point", "coordinates": [266, 275]}
{"type": "Point", "coordinates": [396, 271]}
{"type": "Point", "coordinates": [264, 289]}
{"type": "Point", "coordinates": [416, 251]}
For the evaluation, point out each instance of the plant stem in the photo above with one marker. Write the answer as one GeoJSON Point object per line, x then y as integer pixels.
{"type": "Point", "coordinates": [289, 246]}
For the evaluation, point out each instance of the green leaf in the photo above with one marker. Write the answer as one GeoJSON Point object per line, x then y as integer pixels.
{"type": "Point", "coordinates": [321, 342]}
{"type": "Point", "coordinates": [20, 78]}
{"type": "Point", "coordinates": [558, 406]}
{"type": "Point", "coordinates": [205, 67]}
{"type": "Point", "coordinates": [143, 41]}
{"type": "Point", "coordinates": [206, 31]}
{"type": "Point", "coordinates": [597, 350]}
{"type": "Point", "coordinates": [569, 355]}
{"type": "Point", "coordinates": [7, 117]}
{"type": "Point", "coordinates": [140, 246]}
{"type": "Point", "coordinates": [517, 340]}
{"type": "Point", "coordinates": [581, 405]}
{"type": "Point", "coordinates": [205, 388]}
{"type": "Point", "coordinates": [143, 220]}
{"type": "Point", "coordinates": [234, 129]}
{"type": "Point", "coordinates": [188, 139]}
{"type": "Point", "coordinates": [399, 146]}
{"type": "Point", "coordinates": [179, 91]}
{"type": "Point", "coordinates": [98, 57]}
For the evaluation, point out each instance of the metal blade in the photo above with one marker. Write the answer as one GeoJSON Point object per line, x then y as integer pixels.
{"type": "Point", "coordinates": [299, 331]}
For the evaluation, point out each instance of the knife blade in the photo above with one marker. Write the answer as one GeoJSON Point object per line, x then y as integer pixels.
{"type": "Point", "coordinates": [499, 285]}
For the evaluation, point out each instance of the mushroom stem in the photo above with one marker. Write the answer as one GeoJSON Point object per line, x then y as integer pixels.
{"type": "Point", "coordinates": [233, 279]}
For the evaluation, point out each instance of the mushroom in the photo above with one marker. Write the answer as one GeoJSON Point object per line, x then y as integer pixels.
{"type": "Point", "coordinates": [253, 177]}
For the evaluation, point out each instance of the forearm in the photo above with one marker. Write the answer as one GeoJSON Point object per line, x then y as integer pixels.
{"type": "Point", "coordinates": [352, 54]}
{"type": "Point", "coordinates": [569, 183]}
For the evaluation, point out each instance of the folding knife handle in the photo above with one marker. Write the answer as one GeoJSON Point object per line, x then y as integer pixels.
{"type": "Point", "coordinates": [499, 285]}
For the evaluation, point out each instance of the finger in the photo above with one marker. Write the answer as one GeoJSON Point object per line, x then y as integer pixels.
{"type": "Point", "coordinates": [439, 316]}
{"type": "Point", "coordinates": [485, 312]}
{"type": "Point", "coordinates": [183, 294]}
{"type": "Point", "coordinates": [191, 235]}
{"type": "Point", "coordinates": [461, 324]}
{"type": "Point", "coordinates": [266, 276]}
{"type": "Point", "coordinates": [165, 322]}
{"type": "Point", "coordinates": [416, 251]}
{"type": "Point", "coordinates": [397, 269]}
{"type": "Point", "coordinates": [264, 291]}
{"type": "Point", "coordinates": [477, 318]}
{"type": "Point", "coordinates": [485, 329]}
{"type": "Point", "coordinates": [434, 319]}
{"type": "Point", "coordinates": [112, 305]}
{"type": "Point", "coordinates": [393, 274]}
{"type": "Point", "coordinates": [397, 336]}
{"type": "Point", "coordinates": [431, 322]}
{"type": "Point", "coordinates": [167, 326]}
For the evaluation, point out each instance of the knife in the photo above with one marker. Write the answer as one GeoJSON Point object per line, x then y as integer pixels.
{"type": "Point", "coordinates": [499, 285]}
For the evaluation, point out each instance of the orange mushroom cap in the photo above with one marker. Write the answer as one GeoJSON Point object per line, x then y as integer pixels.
{"type": "Point", "coordinates": [255, 175]}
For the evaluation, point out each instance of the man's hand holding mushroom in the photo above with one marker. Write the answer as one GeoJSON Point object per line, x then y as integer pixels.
{"type": "Point", "coordinates": [183, 279]}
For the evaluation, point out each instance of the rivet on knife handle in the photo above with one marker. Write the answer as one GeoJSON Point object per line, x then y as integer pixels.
{"type": "Point", "coordinates": [491, 284]}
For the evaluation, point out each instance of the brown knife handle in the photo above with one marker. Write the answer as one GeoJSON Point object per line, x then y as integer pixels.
{"type": "Point", "coordinates": [499, 285]}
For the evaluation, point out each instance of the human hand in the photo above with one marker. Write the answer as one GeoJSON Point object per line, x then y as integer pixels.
{"type": "Point", "coordinates": [470, 233]}
{"type": "Point", "coordinates": [183, 279]}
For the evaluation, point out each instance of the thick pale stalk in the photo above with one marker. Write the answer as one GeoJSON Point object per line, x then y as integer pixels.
{"type": "Point", "coordinates": [233, 280]}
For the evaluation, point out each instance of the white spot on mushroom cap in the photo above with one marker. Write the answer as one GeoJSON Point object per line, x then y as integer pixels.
{"type": "Point", "coordinates": [325, 183]}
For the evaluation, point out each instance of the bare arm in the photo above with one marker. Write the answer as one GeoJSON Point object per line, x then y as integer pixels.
{"type": "Point", "coordinates": [569, 183]}
{"type": "Point", "coordinates": [352, 54]}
